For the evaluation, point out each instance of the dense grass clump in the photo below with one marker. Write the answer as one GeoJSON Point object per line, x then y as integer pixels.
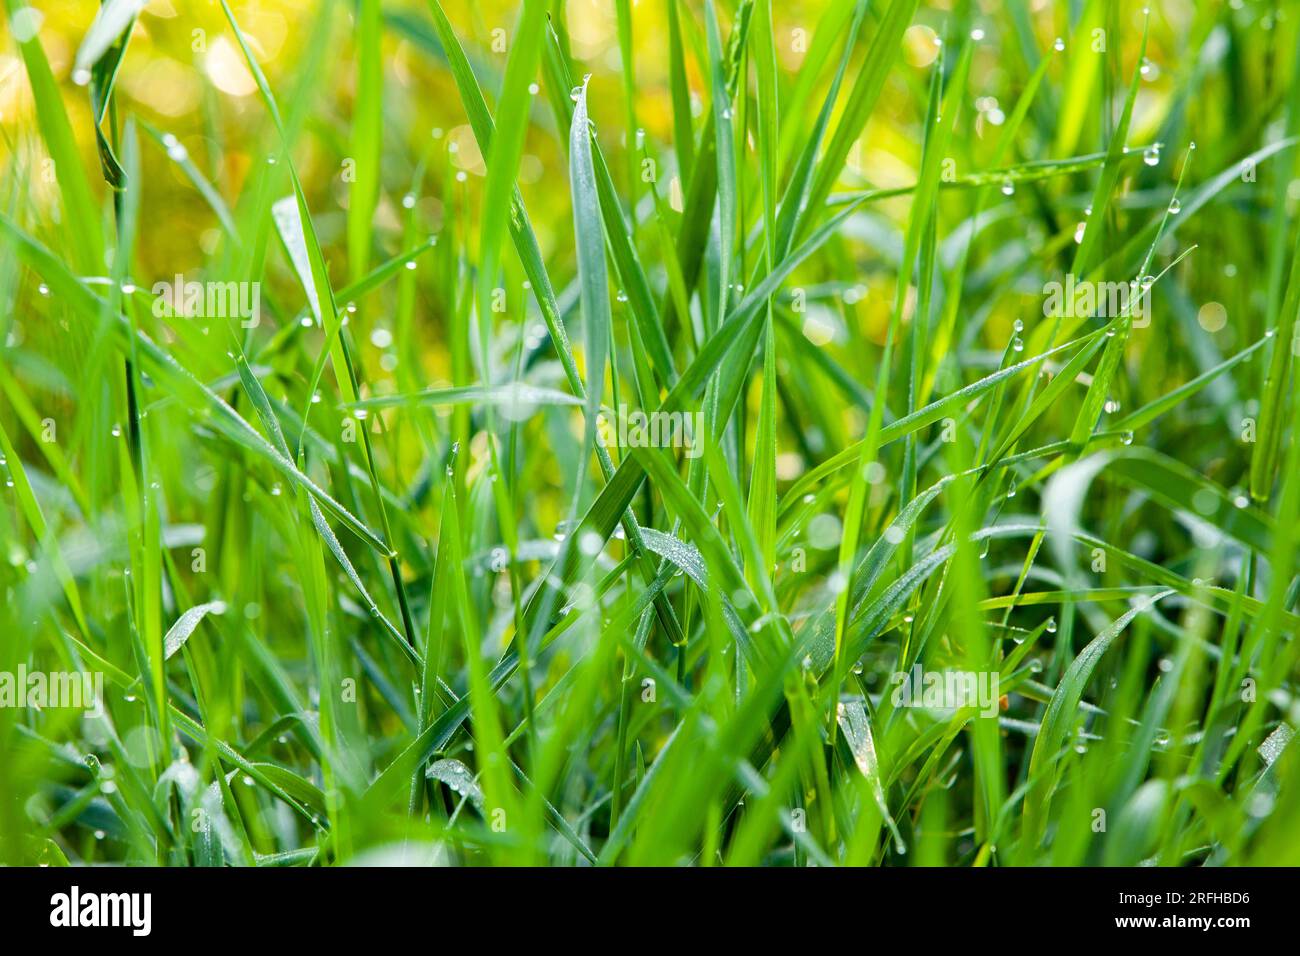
{"type": "Point", "coordinates": [674, 432]}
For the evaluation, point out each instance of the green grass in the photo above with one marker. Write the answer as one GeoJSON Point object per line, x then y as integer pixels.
{"type": "Point", "coordinates": [368, 580]}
